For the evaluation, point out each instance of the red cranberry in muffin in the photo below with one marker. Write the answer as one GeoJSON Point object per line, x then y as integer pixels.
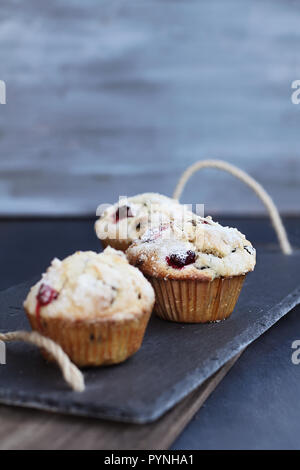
{"type": "Point", "coordinates": [179, 261]}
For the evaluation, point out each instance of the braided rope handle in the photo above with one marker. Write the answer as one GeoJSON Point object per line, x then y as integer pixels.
{"type": "Point", "coordinates": [71, 373]}
{"type": "Point", "coordinates": [249, 181]}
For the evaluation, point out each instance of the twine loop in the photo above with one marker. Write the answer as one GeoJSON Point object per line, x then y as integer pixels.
{"type": "Point", "coordinates": [71, 373]}
{"type": "Point", "coordinates": [249, 181]}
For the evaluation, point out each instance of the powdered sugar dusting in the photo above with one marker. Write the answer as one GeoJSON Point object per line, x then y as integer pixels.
{"type": "Point", "coordinates": [148, 210]}
{"type": "Point", "coordinates": [92, 285]}
{"type": "Point", "coordinates": [200, 248]}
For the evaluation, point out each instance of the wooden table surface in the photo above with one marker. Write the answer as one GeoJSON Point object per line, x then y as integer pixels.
{"type": "Point", "coordinates": [117, 97]}
{"type": "Point", "coordinates": [31, 429]}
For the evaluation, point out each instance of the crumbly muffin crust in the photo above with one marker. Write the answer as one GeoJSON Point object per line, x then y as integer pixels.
{"type": "Point", "coordinates": [129, 219]}
{"type": "Point", "coordinates": [199, 249]}
{"type": "Point", "coordinates": [89, 285]}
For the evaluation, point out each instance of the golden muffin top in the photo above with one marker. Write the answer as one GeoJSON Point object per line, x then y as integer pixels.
{"type": "Point", "coordinates": [199, 249]}
{"type": "Point", "coordinates": [89, 285]}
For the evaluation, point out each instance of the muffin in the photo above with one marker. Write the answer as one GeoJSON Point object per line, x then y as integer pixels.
{"type": "Point", "coordinates": [197, 269]}
{"type": "Point", "coordinates": [96, 306]}
{"type": "Point", "coordinates": [128, 219]}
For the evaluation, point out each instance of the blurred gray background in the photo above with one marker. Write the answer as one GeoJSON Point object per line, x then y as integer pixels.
{"type": "Point", "coordinates": [109, 97]}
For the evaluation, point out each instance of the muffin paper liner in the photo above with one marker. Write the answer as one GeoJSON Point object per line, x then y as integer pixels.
{"type": "Point", "coordinates": [190, 301]}
{"type": "Point", "coordinates": [121, 245]}
{"type": "Point", "coordinates": [94, 342]}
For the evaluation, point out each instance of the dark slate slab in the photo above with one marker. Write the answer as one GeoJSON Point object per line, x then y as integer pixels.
{"type": "Point", "coordinates": [173, 360]}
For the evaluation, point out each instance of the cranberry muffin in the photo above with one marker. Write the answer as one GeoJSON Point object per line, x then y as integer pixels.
{"type": "Point", "coordinates": [128, 219]}
{"type": "Point", "coordinates": [96, 306]}
{"type": "Point", "coordinates": [197, 269]}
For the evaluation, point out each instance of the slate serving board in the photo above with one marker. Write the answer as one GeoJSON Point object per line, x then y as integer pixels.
{"type": "Point", "coordinates": [173, 361]}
